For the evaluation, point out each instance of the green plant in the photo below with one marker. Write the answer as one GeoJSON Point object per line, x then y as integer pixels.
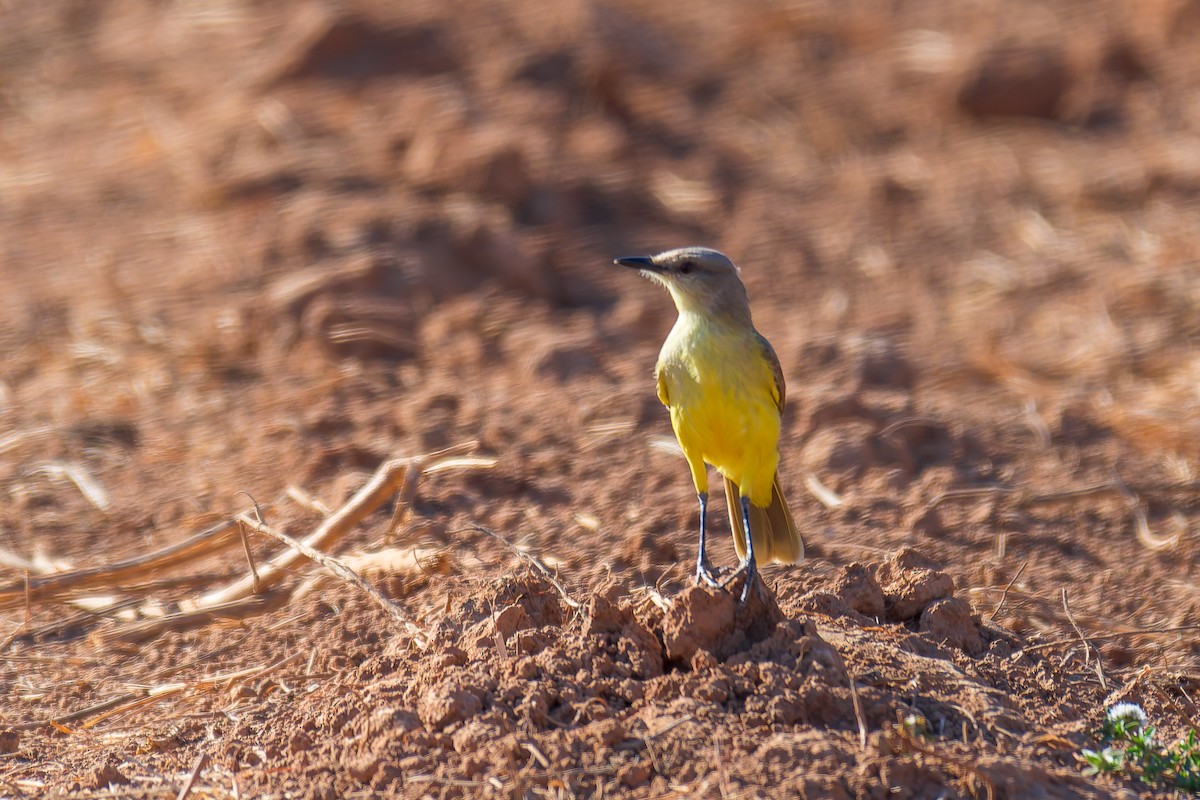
{"type": "Point", "coordinates": [915, 726]}
{"type": "Point", "coordinates": [1130, 747]}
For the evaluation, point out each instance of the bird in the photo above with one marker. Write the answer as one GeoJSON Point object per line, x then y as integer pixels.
{"type": "Point", "coordinates": [723, 386]}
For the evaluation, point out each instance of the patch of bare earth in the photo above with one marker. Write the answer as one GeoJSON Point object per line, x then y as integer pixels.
{"type": "Point", "coordinates": [268, 247]}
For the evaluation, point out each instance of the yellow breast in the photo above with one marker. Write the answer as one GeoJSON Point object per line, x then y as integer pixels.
{"type": "Point", "coordinates": [724, 407]}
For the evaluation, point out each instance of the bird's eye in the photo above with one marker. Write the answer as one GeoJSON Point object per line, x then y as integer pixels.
{"type": "Point", "coordinates": [687, 267]}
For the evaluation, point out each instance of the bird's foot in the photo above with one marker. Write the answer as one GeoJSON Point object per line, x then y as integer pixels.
{"type": "Point", "coordinates": [706, 575]}
{"type": "Point", "coordinates": [749, 570]}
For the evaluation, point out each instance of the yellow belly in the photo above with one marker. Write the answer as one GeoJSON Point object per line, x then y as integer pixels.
{"type": "Point", "coordinates": [723, 407]}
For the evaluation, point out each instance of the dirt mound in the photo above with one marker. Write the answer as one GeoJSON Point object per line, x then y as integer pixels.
{"type": "Point", "coordinates": [717, 622]}
{"type": "Point", "coordinates": [624, 692]}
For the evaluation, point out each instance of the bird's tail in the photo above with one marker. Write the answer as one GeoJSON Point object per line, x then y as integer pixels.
{"type": "Point", "coordinates": [774, 530]}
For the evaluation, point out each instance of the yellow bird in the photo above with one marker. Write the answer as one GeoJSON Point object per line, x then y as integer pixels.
{"type": "Point", "coordinates": [722, 382]}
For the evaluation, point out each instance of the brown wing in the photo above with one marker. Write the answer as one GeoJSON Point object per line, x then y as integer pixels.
{"type": "Point", "coordinates": [775, 535]}
{"type": "Point", "coordinates": [773, 360]}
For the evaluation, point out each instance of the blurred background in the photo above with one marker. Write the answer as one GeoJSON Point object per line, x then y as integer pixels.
{"type": "Point", "coordinates": [248, 244]}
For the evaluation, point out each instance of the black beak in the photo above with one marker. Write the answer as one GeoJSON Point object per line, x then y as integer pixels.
{"type": "Point", "coordinates": [638, 262]}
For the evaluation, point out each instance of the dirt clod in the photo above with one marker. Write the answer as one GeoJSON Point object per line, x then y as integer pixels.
{"type": "Point", "coordinates": [857, 586]}
{"type": "Point", "coordinates": [107, 774]}
{"type": "Point", "coordinates": [447, 703]}
{"type": "Point", "coordinates": [365, 769]}
{"type": "Point", "coordinates": [950, 620]}
{"type": "Point", "coordinates": [358, 49]}
{"type": "Point", "coordinates": [608, 732]}
{"type": "Point", "coordinates": [909, 582]}
{"type": "Point", "coordinates": [714, 621]}
{"type": "Point", "coordinates": [603, 613]}
{"type": "Point", "coordinates": [634, 775]}
{"type": "Point", "coordinates": [1017, 81]}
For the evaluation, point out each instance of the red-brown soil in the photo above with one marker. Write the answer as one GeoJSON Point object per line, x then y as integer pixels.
{"type": "Point", "coordinates": [252, 245]}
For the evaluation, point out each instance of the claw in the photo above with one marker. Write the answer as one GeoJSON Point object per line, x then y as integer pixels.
{"type": "Point", "coordinates": [749, 564]}
{"type": "Point", "coordinates": [704, 571]}
{"type": "Point", "coordinates": [750, 570]}
{"type": "Point", "coordinates": [706, 575]}
{"type": "Point", "coordinates": [752, 579]}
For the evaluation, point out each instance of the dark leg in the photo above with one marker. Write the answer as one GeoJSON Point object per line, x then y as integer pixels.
{"type": "Point", "coordinates": [704, 570]}
{"type": "Point", "coordinates": [749, 565]}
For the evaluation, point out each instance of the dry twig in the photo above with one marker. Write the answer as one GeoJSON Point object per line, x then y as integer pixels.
{"type": "Point", "coordinates": [634, 744]}
{"type": "Point", "coordinates": [826, 496]}
{"type": "Point", "coordinates": [346, 574]}
{"type": "Point", "coordinates": [397, 475]}
{"type": "Point", "coordinates": [533, 562]}
{"type": "Point", "coordinates": [306, 500]}
{"type": "Point", "coordinates": [46, 587]}
{"type": "Point", "coordinates": [131, 701]}
{"type": "Point", "coordinates": [191, 779]}
{"type": "Point", "coordinates": [1087, 646]}
{"type": "Point", "coordinates": [83, 713]}
{"type": "Point", "coordinates": [968, 492]}
{"type": "Point", "coordinates": [1067, 494]}
{"type": "Point", "coordinates": [144, 630]}
{"type": "Point", "coordinates": [1120, 694]}
{"type": "Point", "coordinates": [250, 594]}
{"type": "Point", "coordinates": [915, 744]}
{"type": "Point", "coordinates": [857, 704]}
{"type": "Point", "coordinates": [1105, 637]}
{"type": "Point", "coordinates": [250, 555]}
{"type": "Point", "coordinates": [1004, 594]}
{"type": "Point", "coordinates": [1148, 539]}
{"type": "Point", "coordinates": [88, 486]}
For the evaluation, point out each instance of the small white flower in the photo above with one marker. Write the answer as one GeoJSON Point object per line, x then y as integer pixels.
{"type": "Point", "coordinates": [1127, 712]}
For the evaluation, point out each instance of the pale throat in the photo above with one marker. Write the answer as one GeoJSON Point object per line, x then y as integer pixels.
{"type": "Point", "coordinates": [684, 303]}
{"type": "Point", "coordinates": [696, 312]}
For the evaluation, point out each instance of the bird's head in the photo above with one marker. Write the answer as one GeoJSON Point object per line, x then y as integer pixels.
{"type": "Point", "coordinates": [700, 280]}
